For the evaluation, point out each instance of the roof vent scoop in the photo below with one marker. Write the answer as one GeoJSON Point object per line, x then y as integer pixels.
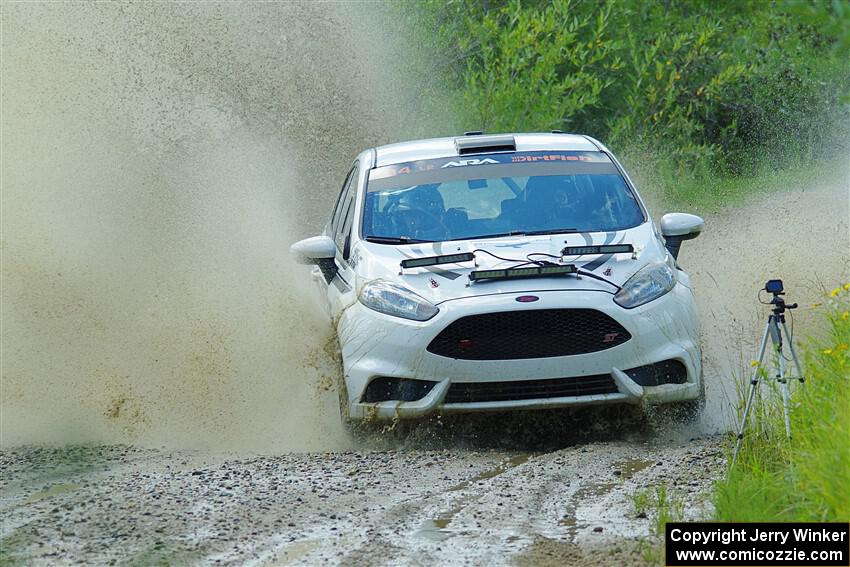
{"type": "Point", "coordinates": [485, 144]}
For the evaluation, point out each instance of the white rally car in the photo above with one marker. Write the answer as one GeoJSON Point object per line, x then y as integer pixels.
{"type": "Point", "coordinates": [503, 272]}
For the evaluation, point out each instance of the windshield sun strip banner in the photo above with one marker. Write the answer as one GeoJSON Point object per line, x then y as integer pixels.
{"type": "Point", "coordinates": [461, 162]}
{"type": "Point", "coordinates": [498, 171]}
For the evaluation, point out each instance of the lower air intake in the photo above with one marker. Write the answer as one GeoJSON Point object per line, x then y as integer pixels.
{"type": "Point", "coordinates": [666, 372]}
{"type": "Point", "coordinates": [385, 389]}
{"type": "Point", "coordinates": [465, 392]}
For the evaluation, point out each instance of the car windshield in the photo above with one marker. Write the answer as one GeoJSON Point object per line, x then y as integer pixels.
{"type": "Point", "coordinates": [497, 194]}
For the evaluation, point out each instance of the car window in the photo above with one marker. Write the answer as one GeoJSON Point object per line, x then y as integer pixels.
{"type": "Point", "coordinates": [348, 217]}
{"type": "Point", "coordinates": [338, 207]}
{"type": "Point", "coordinates": [451, 198]}
{"type": "Point", "coordinates": [345, 217]}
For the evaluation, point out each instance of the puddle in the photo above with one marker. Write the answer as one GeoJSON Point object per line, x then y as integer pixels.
{"type": "Point", "coordinates": [569, 522]}
{"type": "Point", "coordinates": [490, 473]}
{"type": "Point", "coordinates": [435, 530]}
{"type": "Point", "coordinates": [54, 490]}
{"type": "Point", "coordinates": [593, 489]}
{"type": "Point", "coordinates": [630, 467]}
{"type": "Point", "coordinates": [294, 552]}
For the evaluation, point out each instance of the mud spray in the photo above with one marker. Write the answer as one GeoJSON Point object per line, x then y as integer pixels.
{"type": "Point", "coordinates": [157, 163]}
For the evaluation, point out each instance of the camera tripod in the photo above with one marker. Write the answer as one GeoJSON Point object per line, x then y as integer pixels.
{"type": "Point", "coordinates": [775, 328]}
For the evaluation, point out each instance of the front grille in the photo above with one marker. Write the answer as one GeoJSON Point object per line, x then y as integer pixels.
{"type": "Point", "coordinates": [463, 392]}
{"type": "Point", "coordinates": [533, 333]}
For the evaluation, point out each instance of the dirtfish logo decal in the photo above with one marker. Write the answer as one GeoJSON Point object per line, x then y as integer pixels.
{"type": "Point", "coordinates": [463, 162]}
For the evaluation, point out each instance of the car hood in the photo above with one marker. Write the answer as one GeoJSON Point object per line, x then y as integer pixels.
{"type": "Point", "coordinates": [451, 281]}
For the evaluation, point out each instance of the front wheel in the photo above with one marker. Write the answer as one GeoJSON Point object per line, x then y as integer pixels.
{"type": "Point", "coordinates": [344, 411]}
{"type": "Point", "coordinates": [358, 430]}
{"type": "Point", "coordinates": [681, 412]}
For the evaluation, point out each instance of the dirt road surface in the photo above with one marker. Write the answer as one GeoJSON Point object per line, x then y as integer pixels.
{"type": "Point", "coordinates": [120, 505]}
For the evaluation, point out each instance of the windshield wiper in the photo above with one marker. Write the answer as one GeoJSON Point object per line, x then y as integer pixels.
{"type": "Point", "coordinates": [525, 233]}
{"type": "Point", "coordinates": [394, 240]}
{"type": "Point", "coordinates": [552, 231]}
{"type": "Point", "coordinates": [497, 235]}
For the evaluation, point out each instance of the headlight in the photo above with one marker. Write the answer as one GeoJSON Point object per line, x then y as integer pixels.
{"type": "Point", "coordinates": [650, 282]}
{"type": "Point", "coordinates": [392, 299]}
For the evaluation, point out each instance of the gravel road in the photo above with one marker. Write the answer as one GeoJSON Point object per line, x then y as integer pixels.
{"type": "Point", "coordinates": [129, 506]}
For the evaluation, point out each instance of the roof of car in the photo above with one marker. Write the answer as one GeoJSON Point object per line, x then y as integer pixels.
{"type": "Point", "coordinates": [447, 147]}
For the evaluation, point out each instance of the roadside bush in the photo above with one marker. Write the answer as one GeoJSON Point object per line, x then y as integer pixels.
{"type": "Point", "coordinates": [714, 87]}
{"type": "Point", "coordinates": [566, 56]}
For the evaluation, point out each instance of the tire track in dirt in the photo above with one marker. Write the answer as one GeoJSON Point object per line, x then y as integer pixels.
{"type": "Point", "coordinates": [369, 508]}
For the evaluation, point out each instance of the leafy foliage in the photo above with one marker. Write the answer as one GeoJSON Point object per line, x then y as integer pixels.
{"type": "Point", "coordinates": [714, 87]}
{"type": "Point", "coordinates": [564, 56]}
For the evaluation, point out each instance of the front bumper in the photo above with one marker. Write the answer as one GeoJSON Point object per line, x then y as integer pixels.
{"type": "Point", "coordinates": [376, 345]}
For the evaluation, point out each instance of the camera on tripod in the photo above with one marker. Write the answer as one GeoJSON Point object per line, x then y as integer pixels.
{"type": "Point", "coordinates": [777, 333]}
{"type": "Point", "coordinates": [774, 286]}
{"type": "Point", "coordinates": [779, 306]}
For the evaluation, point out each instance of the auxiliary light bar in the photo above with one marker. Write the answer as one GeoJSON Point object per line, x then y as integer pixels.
{"type": "Point", "coordinates": [532, 272]}
{"type": "Point", "coordinates": [600, 249]}
{"type": "Point", "coordinates": [435, 260]}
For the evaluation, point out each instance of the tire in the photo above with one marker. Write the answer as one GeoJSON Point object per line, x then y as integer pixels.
{"type": "Point", "coordinates": [342, 394]}
{"type": "Point", "coordinates": [677, 413]}
{"type": "Point", "coordinates": [690, 411]}
{"type": "Point", "coordinates": [357, 429]}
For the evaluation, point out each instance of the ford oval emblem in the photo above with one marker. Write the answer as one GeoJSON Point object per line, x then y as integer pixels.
{"type": "Point", "coordinates": [527, 298]}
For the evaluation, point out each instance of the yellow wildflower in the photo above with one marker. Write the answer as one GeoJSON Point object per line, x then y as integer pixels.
{"type": "Point", "coordinates": [845, 315]}
{"type": "Point", "coordinates": [827, 351]}
{"type": "Point", "coordinates": [754, 363]}
{"type": "Point", "coordinates": [835, 292]}
{"type": "Point", "coordinates": [847, 286]}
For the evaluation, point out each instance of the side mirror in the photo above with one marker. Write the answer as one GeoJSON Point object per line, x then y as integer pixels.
{"type": "Point", "coordinates": [319, 251]}
{"type": "Point", "coordinates": [678, 227]}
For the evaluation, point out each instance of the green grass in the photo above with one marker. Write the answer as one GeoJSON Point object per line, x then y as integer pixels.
{"type": "Point", "coordinates": [808, 477]}
{"type": "Point", "coordinates": [660, 505]}
{"type": "Point", "coordinates": [703, 191]}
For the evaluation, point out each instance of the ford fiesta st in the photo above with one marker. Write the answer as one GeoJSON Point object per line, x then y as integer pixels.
{"type": "Point", "coordinates": [503, 272]}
